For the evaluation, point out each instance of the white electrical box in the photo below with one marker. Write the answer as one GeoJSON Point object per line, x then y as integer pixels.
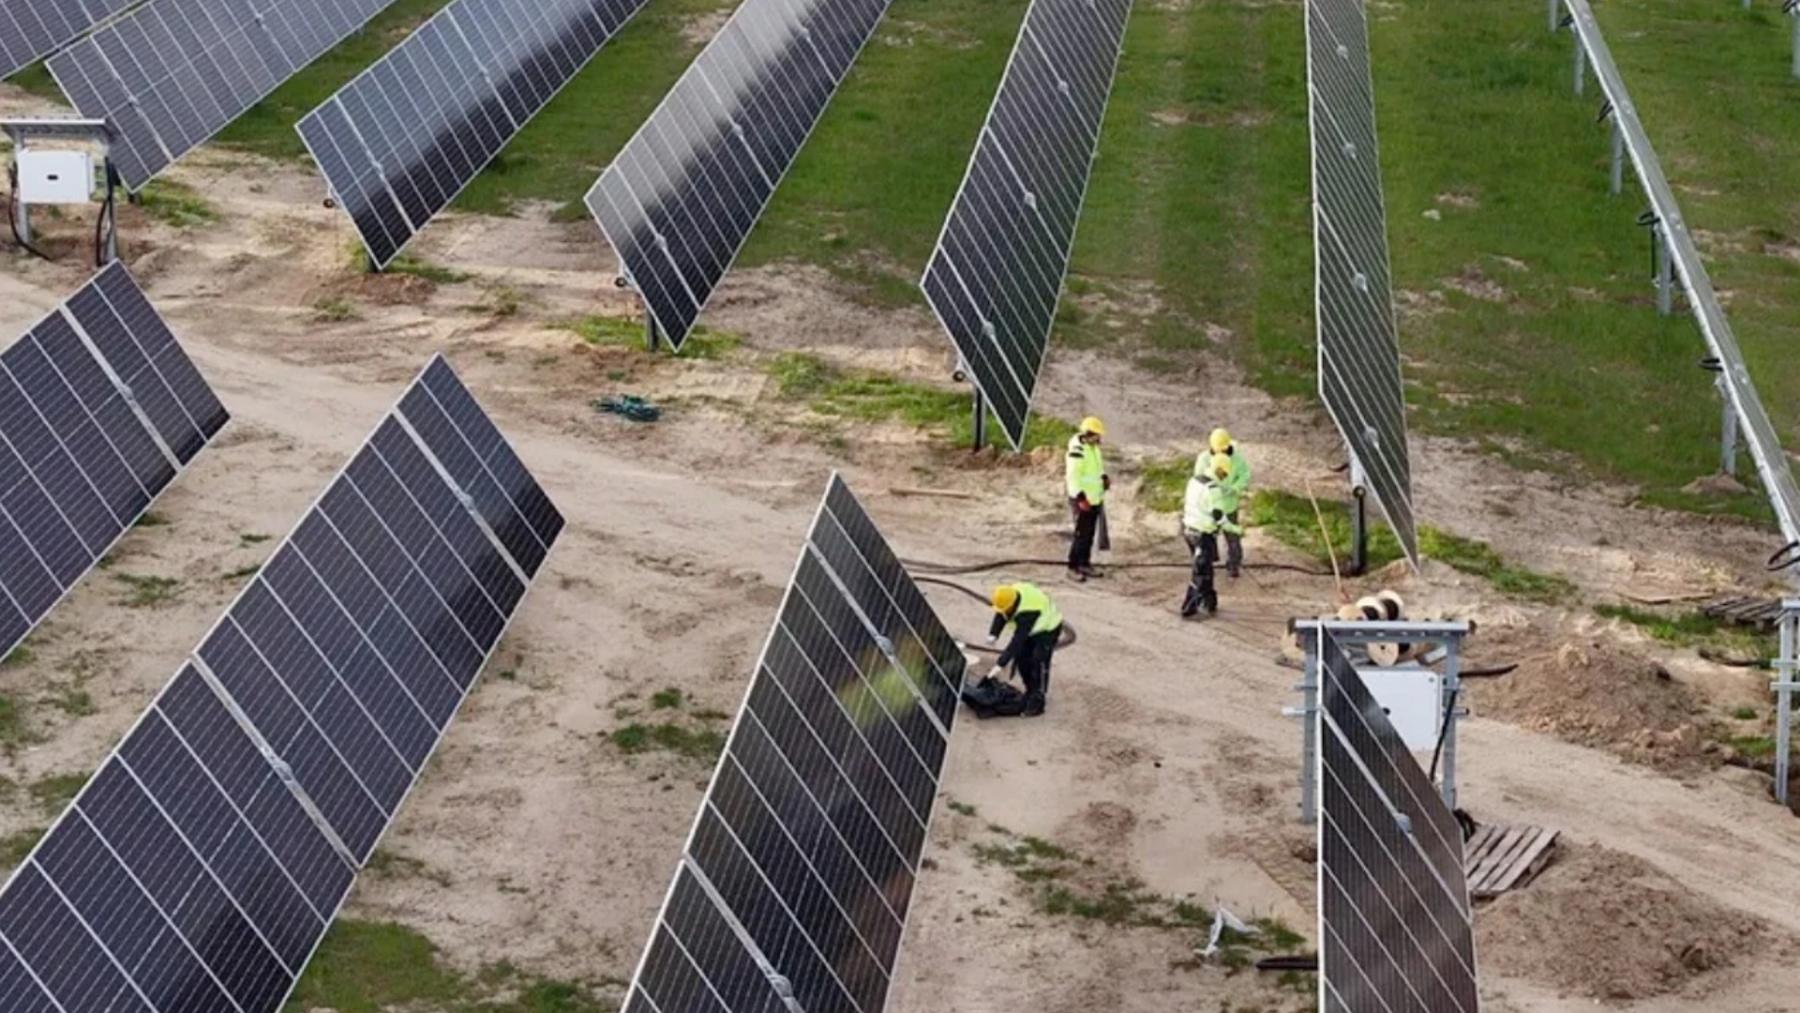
{"type": "Point", "coordinates": [51, 176]}
{"type": "Point", "coordinates": [1413, 700]}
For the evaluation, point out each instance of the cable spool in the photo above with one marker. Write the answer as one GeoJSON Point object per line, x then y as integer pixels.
{"type": "Point", "coordinates": [1385, 606]}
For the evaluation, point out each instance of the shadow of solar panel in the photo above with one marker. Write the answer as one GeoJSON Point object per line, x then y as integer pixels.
{"type": "Point", "coordinates": [997, 272]}
{"type": "Point", "coordinates": [100, 409]}
{"type": "Point", "coordinates": [1395, 901]}
{"type": "Point", "coordinates": [1359, 348]}
{"type": "Point", "coordinates": [33, 29]}
{"type": "Point", "coordinates": [683, 194]}
{"type": "Point", "coordinates": [202, 864]}
{"type": "Point", "coordinates": [799, 873]}
{"type": "Point", "coordinates": [398, 143]}
{"type": "Point", "coordinates": [168, 76]}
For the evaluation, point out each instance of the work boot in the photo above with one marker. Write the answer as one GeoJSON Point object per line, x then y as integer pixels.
{"type": "Point", "coordinates": [1091, 573]}
{"type": "Point", "coordinates": [1233, 571]}
{"type": "Point", "coordinates": [1078, 576]}
{"type": "Point", "coordinates": [1034, 706]}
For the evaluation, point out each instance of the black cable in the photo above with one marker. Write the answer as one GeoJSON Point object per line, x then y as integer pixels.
{"type": "Point", "coordinates": [106, 218]}
{"type": "Point", "coordinates": [1444, 731]}
{"type": "Point", "coordinates": [1068, 629]}
{"type": "Point", "coordinates": [12, 213]}
{"type": "Point", "coordinates": [948, 569]}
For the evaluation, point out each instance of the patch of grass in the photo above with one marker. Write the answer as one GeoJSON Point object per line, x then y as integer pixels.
{"type": "Point", "coordinates": [620, 332]}
{"type": "Point", "coordinates": [503, 301]}
{"type": "Point", "coordinates": [55, 792]}
{"type": "Point", "coordinates": [1755, 747]}
{"type": "Point", "coordinates": [243, 572]}
{"type": "Point", "coordinates": [177, 204]}
{"type": "Point", "coordinates": [20, 655]}
{"type": "Point", "coordinates": [406, 263]}
{"type": "Point", "coordinates": [15, 847]}
{"type": "Point", "coordinates": [12, 724]}
{"type": "Point", "coordinates": [701, 744]}
{"type": "Point", "coordinates": [36, 79]}
{"type": "Point", "coordinates": [666, 699]}
{"type": "Point", "coordinates": [334, 309]}
{"type": "Point", "coordinates": [373, 967]}
{"type": "Point", "coordinates": [961, 808]}
{"type": "Point", "coordinates": [77, 703]}
{"type": "Point", "coordinates": [151, 519]}
{"type": "Point", "coordinates": [1745, 713]}
{"type": "Point", "coordinates": [710, 714]}
{"type": "Point", "coordinates": [398, 866]}
{"type": "Point", "coordinates": [253, 539]}
{"type": "Point", "coordinates": [1163, 486]}
{"type": "Point", "coordinates": [867, 396]}
{"type": "Point", "coordinates": [1694, 629]}
{"type": "Point", "coordinates": [144, 591]}
{"type": "Point", "coordinates": [1292, 521]}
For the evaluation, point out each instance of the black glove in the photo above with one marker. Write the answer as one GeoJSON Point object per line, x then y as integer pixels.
{"type": "Point", "coordinates": [1106, 482]}
{"type": "Point", "coordinates": [1218, 515]}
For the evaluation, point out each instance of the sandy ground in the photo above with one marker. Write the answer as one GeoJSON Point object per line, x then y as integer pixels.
{"type": "Point", "coordinates": [1165, 758]}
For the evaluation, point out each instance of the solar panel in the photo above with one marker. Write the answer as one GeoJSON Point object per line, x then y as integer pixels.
{"type": "Point", "coordinates": [683, 194]}
{"type": "Point", "coordinates": [100, 409]}
{"type": "Point", "coordinates": [168, 76]}
{"type": "Point", "coordinates": [799, 873]}
{"type": "Point", "coordinates": [1359, 349]}
{"type": "Point", "coordinates": [202, 864]}
{"type": "Point", "coordinates": [398, 143]}
{"type": "Point", "coordinates": [32, 29]}
{"type": "Point", "coordinates": [1395, 903]}
{"type": "Point", "coordinates": [997, 272]}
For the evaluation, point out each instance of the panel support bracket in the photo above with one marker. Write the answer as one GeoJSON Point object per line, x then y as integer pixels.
{"type": "Point", "coordinates": [1359, 522]}
{"type": "Point", "coordinates": [1786, 666]}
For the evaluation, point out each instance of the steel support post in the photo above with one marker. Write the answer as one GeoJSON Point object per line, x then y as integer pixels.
{"type": "Point", "coordinates": [1555, 15]}
{"type": "Point", "coordinates": [1784, 686]}
{"type": "Point", "coordinates": [1580, 66]}
{"type": "Point", "coordinates": [1449, 708]}
{"type": "Point", "coordinates": [1728, 431]}
{"type": "Point", "coordinates": [652, 334]}
{"type": "Point", "coordinates": [1359, 529]}
{"type": "Point", "coordinates": [1309, 727]}
{"type": "Point", "coordinates": [1665, 271]}
{"type": "Point", "coordinates": [1618, 156]}
{"type": "Point", "coordinates": [1795, 12]}
{"type": "Point", "coordinates": [979, 428]}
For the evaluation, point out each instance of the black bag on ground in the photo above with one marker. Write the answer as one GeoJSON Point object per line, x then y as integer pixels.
{"type": "Point", "coordinates": [991, 698]}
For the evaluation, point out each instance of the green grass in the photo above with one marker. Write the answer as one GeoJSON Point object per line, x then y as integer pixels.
{"type": "Point", "coordinates": [144, 591]}
{"type": "Point", "coordinates": [14, 847]}
{"type": "Point", "coordinates": [868, 396]}
{"type": "Point", "coordinates": [376, 967]}
{"type": "Point", "coordinates": [334, 310]}
{"type": "Point", "coordinates": [406, 263]}
{"type": "Point", "coordinates": [20, 655]}
{"type": "Point", "coordinates": [151, 519]}
{"type": "Point", "coordinates": [77, 703]}
{"type": "Point", "coordinates": [701, 744]}
{"type": "Point", "coordinates": [12, 724]}
{"type": "Point", "coordinates": [666, 699]}
{"type": "Point", "coordinates": [1693, 629]}
{"type": "Point", "coordinates": [1291, 520]}
{"type": "Point", "coordinates": [1164, 483]}
{"type": "Point", "coordinates": [251, 538]}
{"type": "Point", "coordinates": [56, 791]}
{"type": "Point", "coordinates": [619, 332]}
{"type": "Point", "coordinates": [177, 204]}
{"type": "Point", "coordinates": [36, 79]}
{"type": "Point", "coordinates": [243, 572]}
{"type": "Point", "coordinates": [1756, 747]}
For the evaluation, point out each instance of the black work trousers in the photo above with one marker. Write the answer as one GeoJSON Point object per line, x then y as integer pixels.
{"type": "Point", "coordinates": [1200, 592]}
{"type": "Point", "coordinates": [1034, 669]}
{"type": "Point", "coordinates": [1081, 550]}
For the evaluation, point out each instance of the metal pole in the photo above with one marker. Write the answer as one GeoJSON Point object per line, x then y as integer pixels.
{"type": "Point", "coordinates": [1556, 15]}
{"type": "Point", "coordinates": [1618, 155]}
{"type": "Point", "coordinates": [1309, 724]}
{"type": "Point", "coordinates": [1359, 531]}
{"type": "Point", "coordinates": [980, 422]}
{"type": "Point", "coordinates": [1784, 696]}
{"type": "Point", "coordinates": [1796, 16]}
{"type": "Point", "coordinates": [1448, 705]}
{"type": "Point", "coordinates": [652, 335]}
{"type": "Point", "coordinates": [1665, 273]}
{"type": "Point", "coordinates": [1580, 66]}
{"type": "Point", "coordinates": [1728, 427]}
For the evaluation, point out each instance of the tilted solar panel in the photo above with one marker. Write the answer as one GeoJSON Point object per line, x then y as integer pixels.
{"type": "Point", "coordinates": [398, 143]}
{"type": "Point", "coordinates": [1359, 348]}
{"type": "Point", "coordinates": [202, 864]}
{"type": "Point", "coordinates": [1394, 899]}
{"type": "Point", "coordinates": [684, 193]}
{"type": "Point", "coordinates": [33, 29]}
{"type": "Point", "coordinates": [997, 272]}
{"type": "Point", "coordinates": [799, 873]}
{"type": "Point", "coordinates": [168, 76]}
{"type": "Point", "coordinates": [100, 409]}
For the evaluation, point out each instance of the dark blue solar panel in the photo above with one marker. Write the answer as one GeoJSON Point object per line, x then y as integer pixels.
{"type": "Point", "coordinates": [168, 76]}
{"type": "Point", "coordinates": [33, 29]}
{"type": "Point", "coordinates": [398, 143]}
{"type": "Point", "coordinates": [200, 867]}
{"type": "Point", "coordinates": [997, 273]}
{"type": "Point", "coordinates": [681, 198]}
{"type": "Point", "coordinates": [90, 434]}
{"type": "Point", "coordinates": [804, 854]}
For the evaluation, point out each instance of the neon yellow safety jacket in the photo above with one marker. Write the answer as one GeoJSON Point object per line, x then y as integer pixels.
{"type": "Point", "coordinates": [1203, 499]}
{"type": "Point", "coordinates": [1084, 472]}
{"type": "Point", "coordinates": [1235, 485]}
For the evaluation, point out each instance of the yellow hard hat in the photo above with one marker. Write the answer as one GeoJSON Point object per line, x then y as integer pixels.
{"type": "Point", "coordinates": [1221, 441]}
{"type": "Point", "coordinates": [1221, 467]}
{"type": "Point", "coordinates": [1092, 424]}
{"type": "Point", "coordinates": [1006, 598]}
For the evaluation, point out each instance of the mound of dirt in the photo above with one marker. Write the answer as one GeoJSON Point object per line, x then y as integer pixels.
{"type": "Point", "coordinates": [1597, 694]}
{"type": "Point", "coordinates": [1608, 925]}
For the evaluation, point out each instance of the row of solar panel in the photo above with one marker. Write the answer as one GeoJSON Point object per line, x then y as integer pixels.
{"type": "Point", "coordinates": [99, 409]}
{"type": "Point", "coordinates": [680, 199]}
{"type": "Point", "coordinates": [32, 29]}
{"type": "Point", "coordinates": [1359, 348]}
{"type": "Point", "coordinates": [398, 143]}
{"type": "Point", "coordinates": [204, 861]}
{"type": "Point", "coordinates": [803, 859]}
{"type": "Point", "coordinates": [997, 272]}
{"type": "Point", "coordinates": [167, 76]}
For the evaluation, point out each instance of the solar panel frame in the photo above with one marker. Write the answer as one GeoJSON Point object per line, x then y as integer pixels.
{"type": "Point", "coordinates": [1394, 909]}
{"type": "Point", "coordinates": [90, 363]}
{"type": "Point", "coordinates": [209, 69]}
{"type": "Point", "coordinates": [1358, 344]}
{"type": "Point", "coordinates": [963, 318]}
{"type": "Point", "coordinates": [20, 46]}
{"type": "Point", "coordinates": [198, 669]}
{"type": "Point", "coordinates": [848, 832]}
{"type": "Point", "coordinates": [415, 52]}
{"type": "Point", "coordinates": [733, 57]}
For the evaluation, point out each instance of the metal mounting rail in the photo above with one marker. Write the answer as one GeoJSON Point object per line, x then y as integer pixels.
{"type": "Point", "coordinates": [1759, 431]}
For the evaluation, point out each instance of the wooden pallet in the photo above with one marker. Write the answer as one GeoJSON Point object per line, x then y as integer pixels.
{"type": "Point", "coordinates": [1761, 613]}
{"type": "Point", "coordinates": [1498, 859]}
